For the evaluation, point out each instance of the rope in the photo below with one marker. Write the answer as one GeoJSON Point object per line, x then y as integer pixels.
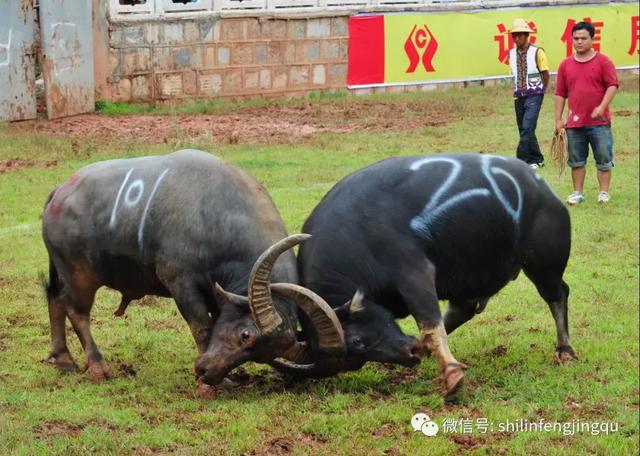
{"type": "Point", "coordinates": [559, 149]}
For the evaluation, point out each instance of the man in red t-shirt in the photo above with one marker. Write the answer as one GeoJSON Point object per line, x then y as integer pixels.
{"type": "Point", "coordinates": [588, 79]}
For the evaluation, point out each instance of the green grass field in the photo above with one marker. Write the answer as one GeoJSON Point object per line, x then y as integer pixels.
{"type": "Point", "coordinates": [151, 407]}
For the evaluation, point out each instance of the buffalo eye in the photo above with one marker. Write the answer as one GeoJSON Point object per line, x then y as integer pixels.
{"type": "Point", "coordinates": [357, 342]}
{"type": "Point", "coordinates": [245, 337]}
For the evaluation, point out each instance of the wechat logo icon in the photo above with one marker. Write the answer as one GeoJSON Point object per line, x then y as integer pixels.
{"type": "Point", "coordinates": [421, 422]}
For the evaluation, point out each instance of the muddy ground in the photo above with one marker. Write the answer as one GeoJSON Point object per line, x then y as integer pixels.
{"type": "Point", "coordinates": [272, 124]}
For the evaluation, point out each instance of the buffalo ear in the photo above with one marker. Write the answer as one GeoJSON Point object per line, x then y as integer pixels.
{"type": "Point", "coordinates": [342, 312]}
{"type": "Point", "coordinates": [226, 296]}
{"type": "Point", "coordinates": [356, 304]}
{"type": "Point", "coordinates": [352, 307]}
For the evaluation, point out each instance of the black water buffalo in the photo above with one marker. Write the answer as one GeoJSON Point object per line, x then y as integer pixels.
{"type": "Point", "coordinates": [175, 225]}
{"type": "Point", "coordinates": [411, 231]}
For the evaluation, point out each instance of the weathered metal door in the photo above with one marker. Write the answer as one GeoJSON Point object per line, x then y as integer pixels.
{"type": "Point", "coordinates": [67, 47]}
{"type": "Point", "coordinates": [17, 62]}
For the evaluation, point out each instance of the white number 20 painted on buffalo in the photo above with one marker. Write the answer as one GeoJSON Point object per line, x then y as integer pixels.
{"type": "Point", "coordinates": [438, 205]}
{"type": "Point", "coordinates": [132, 195]}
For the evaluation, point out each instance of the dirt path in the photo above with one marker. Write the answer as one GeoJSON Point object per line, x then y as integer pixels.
{"type": "Point", "coordinates": [271, 124]}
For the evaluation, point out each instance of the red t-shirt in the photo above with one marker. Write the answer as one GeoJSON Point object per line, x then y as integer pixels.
{"type": "Point", "coordinates": [584, 84]}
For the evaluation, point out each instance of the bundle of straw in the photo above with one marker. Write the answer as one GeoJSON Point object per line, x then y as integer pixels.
{"type": "Point", "coordinates": [559, 149]}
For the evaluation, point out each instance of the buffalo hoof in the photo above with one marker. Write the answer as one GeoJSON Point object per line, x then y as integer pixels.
{"type": "Point", "coordinates": [98, 371]}
{"type": "Point", "coordinates": [564, 354]}
{"type": "Point", "coordinates": [422, 351]}
{"type": "Point", "coordinates": [204, 391]}
{"type": "Point", "coordinates": [453, 376]}
{"type": "Point", "coordinates": [62, 361]}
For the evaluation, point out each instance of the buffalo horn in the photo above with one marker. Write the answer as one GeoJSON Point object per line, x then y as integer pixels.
{"type": "Point", "coordinates": [233, 298]}
{"type": "Point", "coordinates": [322, 369]}
{"type": "Point", "coordinates": [324, 319]}
{"type": "Point", "coordinates": [264, 314]}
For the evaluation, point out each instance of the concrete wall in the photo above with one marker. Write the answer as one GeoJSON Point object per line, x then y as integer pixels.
{"type": "Point", "coordinates": [249, 54]}
{"type": "Point", "coordinates": [223, 57]}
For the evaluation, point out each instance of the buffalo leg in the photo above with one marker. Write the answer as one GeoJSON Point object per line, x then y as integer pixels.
{"type": "Point", "coordinates": [556, 295]}
{"type": "Point", "coordinates": [458, 313]}
{"type": "Point", "coordinates": [547, 256]}
{"type": "Point", "coordinates": [96, 366]}
{"type": "Point", "coordinates": [192, 305]}
{"type": "Point", "coordinates": [417, 287]}
{"type": "Point", "coordinates": [59, 355]}
{"type": "Point", "coordinates": [193, 308]}
{"type": "Point", "coordinates": [80, 295]}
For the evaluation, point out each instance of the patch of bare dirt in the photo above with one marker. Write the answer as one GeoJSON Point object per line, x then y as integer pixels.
{"type": "Point", "coordinates": [50, 429]}
{"type": "Point", "coordinates": [624, 113]}
{"type": "Point", "coordinates": [272, 124]}
{"type": "Point", "coordinates": [471, 442]}
{"type": "Point", "coordinates": [585, 411]}
{"type": "Point", "coordinates": [149, 301]}
{"type": "Point", "coordinates": [286, 445]}
{"type": "Point", "coordinates": [171, 325]}
{"type": "Point", "coordinates": [126, 370]}
{"type": "Point", "coordinates": [13, 164]}
{"type": "Point", "coordinates": [275, 446]}
{"type": "Point", "coordinates": [399, 375]}
{"type": "Point", "coordinates": [499, 350]}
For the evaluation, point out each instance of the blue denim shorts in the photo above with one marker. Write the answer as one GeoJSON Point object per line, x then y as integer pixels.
{"type": "Point", "coordinates": [599, 136]}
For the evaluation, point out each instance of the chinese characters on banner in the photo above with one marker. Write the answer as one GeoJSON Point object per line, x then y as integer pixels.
{"type": "Point", "coordinates": [635, 35]}
{"type": "Point", "coordinates": [410, 48]}
{"type": "Point", "coordinates": [505, 41]}
{"type": "Point", "coordinates": [568, 41]}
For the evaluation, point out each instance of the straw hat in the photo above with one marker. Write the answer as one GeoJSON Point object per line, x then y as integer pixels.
{"type": "Point", "coordinates": [520, 25]}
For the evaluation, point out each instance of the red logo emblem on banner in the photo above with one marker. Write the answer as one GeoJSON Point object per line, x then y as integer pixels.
{"type": "Point", "coordinates": [420, 40]}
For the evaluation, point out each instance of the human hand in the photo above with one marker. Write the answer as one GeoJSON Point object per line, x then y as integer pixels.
{"type": "Point", "coordinates": [598, 113]}
{"type": "Point", "coordinates": [560, 124]}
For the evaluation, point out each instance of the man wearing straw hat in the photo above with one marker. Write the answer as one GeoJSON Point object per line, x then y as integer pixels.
{"type": "Point", "coordinates": [530, 70]}
{"type": "Point", "coordinates": [589, 80]}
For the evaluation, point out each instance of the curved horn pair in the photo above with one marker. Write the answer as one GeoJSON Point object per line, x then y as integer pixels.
{"type": "Point", "coordinates": [332, 359]}
{"type": "Point", "coordinates": [267, 318]}
{"type": "Point", "coordinates": [264, 313]}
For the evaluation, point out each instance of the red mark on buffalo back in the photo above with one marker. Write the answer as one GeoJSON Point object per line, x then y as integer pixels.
{"type": "Point", "coordinates": [55, 206]}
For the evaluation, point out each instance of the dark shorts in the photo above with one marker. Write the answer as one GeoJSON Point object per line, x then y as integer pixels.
{"type": "Point", "coordinates": [601, 141]}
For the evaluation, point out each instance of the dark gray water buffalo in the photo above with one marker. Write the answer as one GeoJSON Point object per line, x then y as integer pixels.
{"type": "Point", "coordinates": [410, 231]}
{"type": "Point", "coordinates": [175, 225]}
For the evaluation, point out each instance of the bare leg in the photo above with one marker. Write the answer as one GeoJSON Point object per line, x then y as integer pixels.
{"type": "Point", "coordinates": [577, 176]}
{"type": "Point", "coordinates": [604, 179]}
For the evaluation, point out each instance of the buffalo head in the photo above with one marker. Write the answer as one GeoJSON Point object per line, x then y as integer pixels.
{"type": "Point", "coordinates": [260, 327]}
{"type": "Point", "coordinates": [370, 333]}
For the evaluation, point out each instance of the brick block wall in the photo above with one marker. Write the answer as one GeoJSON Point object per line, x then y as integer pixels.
{"type": "Point", "coordinates": [224, 57]}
